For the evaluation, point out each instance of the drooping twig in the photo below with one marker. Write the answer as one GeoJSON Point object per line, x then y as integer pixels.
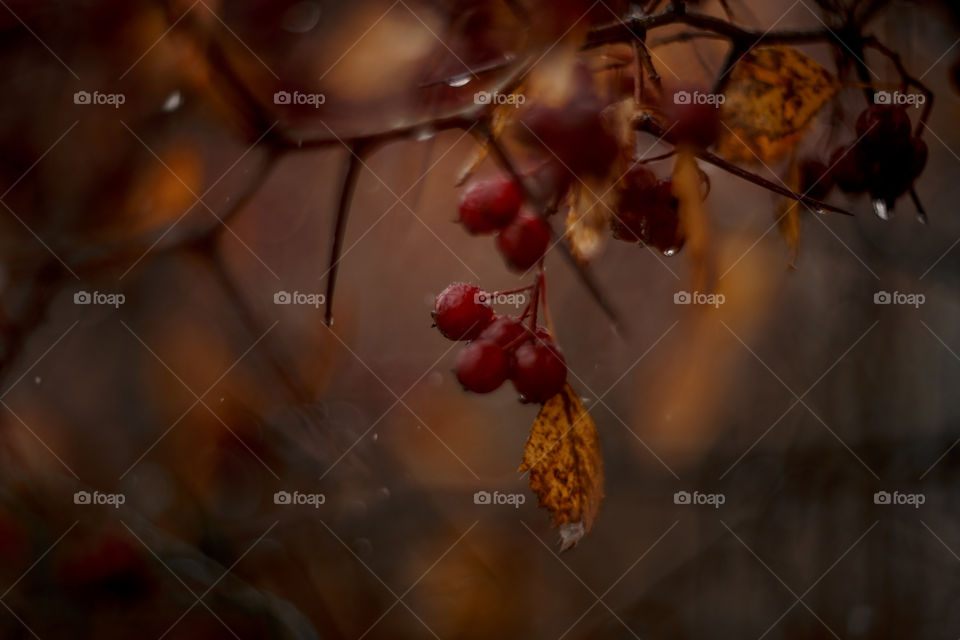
{"type": "Point", "coordinates": [583, 273]}
{"type": "Point", "coordinates": [649, 125]}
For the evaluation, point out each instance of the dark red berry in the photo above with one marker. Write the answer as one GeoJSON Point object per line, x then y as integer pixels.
{"type": "Point", "coordinates": [505, 331]}
{"type": "Point", "coordinates": [461, 311]}
{"type": "Point", "coordinates": [693, 122]}
{"type": "Point", "coordinates": [539, 370]}
{"type": "Point", "coordinates": [482, 366]}
{"type": "Point", "coordinates": [883, 128]}
{"type": "Point", "coordinates": [524, 241]}
{"type": "Point", "coordinates": [487, 205]}
{"type": "Point", "coordinates": [815, 179]}
{"type": "Point", "coordinates": [847, 169]}
{"type": "Point", "coordinates": [648, 212]}
{"type": "Point", "coordinates": [574, 133]}
{"type": "Point", "coordinates": [111, 564]}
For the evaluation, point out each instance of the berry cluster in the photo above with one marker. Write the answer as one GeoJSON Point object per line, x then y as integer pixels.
{"type": "Point", "coordinates": [884, 160]}
{"type": "Point", "coordinates": [500, 348]}
{"type": "Point", "coordinates": [647, 212]}
{"type": "Point", "coordinates": [495, 205]}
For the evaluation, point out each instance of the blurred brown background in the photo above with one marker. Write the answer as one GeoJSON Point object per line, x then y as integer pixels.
{"type": "Point", "coordinates": [198, 398]}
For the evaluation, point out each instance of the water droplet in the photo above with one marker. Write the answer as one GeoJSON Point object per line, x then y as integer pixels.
{"type": "Point", "coordinates": [820, 211]}
{"type": "Point", "coordinates": [172, 102]}
{"type": "Point", "coordinates": [670, 252]}
{"type": "Point", "coordinates": [301, 17]}
{"type": "Point", "coordinates": [880, 208]}
{"type": "Point", "coordinates": [459, 81]}
{"type": "Point", "coordinates": [36, 380]}
{"type": "Point", "coordinates": [376, 436]}
{"type": "Point", "coordinates": [425, 134]}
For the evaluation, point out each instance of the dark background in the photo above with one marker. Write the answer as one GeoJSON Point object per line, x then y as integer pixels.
{"type": "Point", "coordinates": [368, 414]}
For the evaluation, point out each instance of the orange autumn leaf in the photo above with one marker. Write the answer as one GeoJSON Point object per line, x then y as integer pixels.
{"type": "Point", "coordinates": [772, 96]}
{"type": "Point", "coordinates": [788, 213]}
{"type": "Point", "coordinates": [565, 464]}
{"type": "Point", "coordinates": [687, 182]}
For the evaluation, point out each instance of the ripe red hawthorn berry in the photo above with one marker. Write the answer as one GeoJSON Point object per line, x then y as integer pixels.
{"type": "Point", "coordinates": [815, 179]}
{"type": "Point", "coordinates": [482, 366]}
{"type": "Point", "coordinates": [461, 311]}
{"type": "Point", "coordinates": [848, 171]}
{"type": "Point", "coordinates": [524, 241]}
{"type": "Point", "coordinates": [539, 370]}
{"type": "Point", "coordinates": [693, 123]}
{"type": "Point", "coordinates": [648, 212]}
{"type": "Point", "coordinates": [487, 205]}
{"type": "Point", "coordinates": [573, 133]}
{"type": "Point", "coordinates": [883, 129]}
{"type": "Point", "coordinates": [506, 331]}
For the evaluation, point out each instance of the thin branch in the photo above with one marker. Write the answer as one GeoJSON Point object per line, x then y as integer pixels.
{"type": "Point", "coordinates": [347, 186]}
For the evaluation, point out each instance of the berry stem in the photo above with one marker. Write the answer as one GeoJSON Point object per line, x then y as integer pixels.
{"type": "Point", "coordinates": [586, 277]}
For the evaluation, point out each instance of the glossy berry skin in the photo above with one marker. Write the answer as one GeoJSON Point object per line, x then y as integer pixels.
{"type": "Point", "coordinates": [848, 171]}
{"type": "Point", "coordinates": [648, 212]}
{"type": "Point", "coordinates": [815, 179]}
{"type": "Point", "coordinates": [482, 366]}
{"type": "Point", "coordinates": [488, 205]}
{"type": "Point", "coordinates": [524, 241]}
{"type": "Point", "coordinates": [460, 312]}
{"type": "Point", "coordinates": [882, 128]}
{"type": "Point", "coordinates": [506, 331]}
{"type": "Point", "coordinates": [539, 370]}
{"type": "Point", "coordinates": [693, 124]}
{"type": "Point", "coordinates": [573, 133]}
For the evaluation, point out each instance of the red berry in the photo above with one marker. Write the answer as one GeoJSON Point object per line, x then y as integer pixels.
{"type": "Point", "coordinates": [505, 331]}
{"type": "Point", "coordinates": [815, 179]}
{"type": "Point", "coordinates": [482, 366]}
{"type": "Point", "coordinates": [648, 212]}
{"type": "Point", "coordinates": [574, 133]}
{"type": "Point", "coordinates": [848, 170]}
{"type": "Point", "coordinates": [883, 128]}
{"type": "Point", "coordinates": [693, 123]}
{"type": "Point", "coordinates": [539, 370]}
{"type": "Point", "coordinates": [524, 241]}
{"type": "Point", "coordinates": [461, 311]}
{"type": "Point", "coordinates": [487, 205]}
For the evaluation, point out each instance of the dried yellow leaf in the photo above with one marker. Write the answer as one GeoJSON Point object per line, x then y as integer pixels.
{"type": "Point", "coordinates": [566, 466]}
{"type": "Point", "coordinates": [772, 96]}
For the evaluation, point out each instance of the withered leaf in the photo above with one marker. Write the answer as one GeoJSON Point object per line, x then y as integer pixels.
{"type": "Point", "coordinates": [588, 220]}
{"type": "Point", "coordinates": [788, 213]}
{"type": "Point", "coordinates": [772, 96]}
{"type": "Point", "coordinates": [693, 219]}
{"type": "Point", "coordinates": [566, 466]}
